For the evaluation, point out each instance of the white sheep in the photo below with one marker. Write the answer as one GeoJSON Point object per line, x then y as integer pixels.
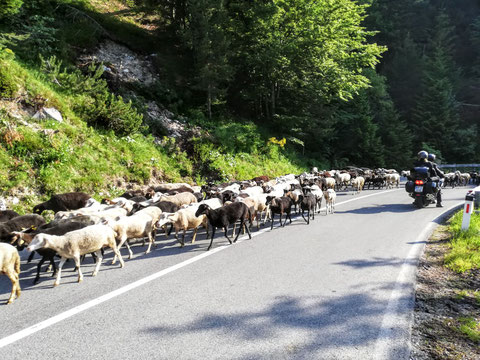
{"type": "Point", "coordinates": [77, 243]}
{"type": "Point", "coordinates": [357, 184]}
{"type": "Point", "coordinates": [330, 198]}
{"type": "Point", "coordinates": [10, 266]}
{"type": "Point", "coordinates": [184, 219]}
{"type": "Point", "coordinates": [140, 225]}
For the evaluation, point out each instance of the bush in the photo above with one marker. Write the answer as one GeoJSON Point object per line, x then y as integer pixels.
{"type": "Point", "coordinates": [8, 83]}
{"type": "Point", "coordinates": [237, 137]}
{"type": "Point", "coordinates": [9, 7]}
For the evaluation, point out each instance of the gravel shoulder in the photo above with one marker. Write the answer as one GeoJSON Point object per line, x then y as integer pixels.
{"type": "Point", "coordinates": [444, 301]}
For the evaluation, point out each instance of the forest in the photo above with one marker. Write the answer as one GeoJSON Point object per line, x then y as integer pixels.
{"type": "Point", "coordinates": [363, 83]}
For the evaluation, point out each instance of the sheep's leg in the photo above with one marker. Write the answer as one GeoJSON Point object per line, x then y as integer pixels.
{"type": "Point", "coordinates": [211, 240]}
{"type": "Point", "coordinates": [39, 268]}
{"type": "Point", "coordinates": [313, 212]}
{"type": "Point", "coordinates": [304, 216]}
{"type": "Point", "coordinates": [123, 240]}
{"type": "Point", "coordinates": [30, 258]}
{"type": "Point", "coordinates": [226, 234]}
{"type": "Point", "coordinates": [165, 230]}
{"type": "Point", "coordinates": [151, 241]}
{"type": "Point", "coordinates": [234, 226]}
{"type": "Point", "coordinates": [59, 273]}
{"type": "Point", "coordinates": [13, 276]}
{"type": "Point", "coordinates": [281, 220]}
{"type": "Point", "coordinates": [194, 234]}
{"type": "Point", "coordinates": [76, 258]}
{"type": "Point", "coordinates": [170, 231]}
{"type": "Point", "coordinates": [248, 232]}
{"type": "Point", "coordinates": [99, 261]}
{"type": "Point", "coordinates": [183, 237]}
{"type": "Point", "coordinates": [273, 216]}
{"type": "Point", "coordinates": [130, 253]}
{"type": "Point", "coordinates": [53, 266]}
{"type": "Point", "coordinates": [116, 251]}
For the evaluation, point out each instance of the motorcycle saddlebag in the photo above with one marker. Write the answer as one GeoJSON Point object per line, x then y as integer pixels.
{"type": "Point", "coordinates": [409, 186]}
{"type": "Point", "coordinates": [430, 187]}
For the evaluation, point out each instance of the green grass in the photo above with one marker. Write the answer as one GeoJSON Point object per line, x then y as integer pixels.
{"type": "Point", "coordinates": [464, 251]}
{"type": "Point", "coordinates": [471, 328]}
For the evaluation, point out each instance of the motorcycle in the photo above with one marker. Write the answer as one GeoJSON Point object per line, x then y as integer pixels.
{"type": "Point", "coordinates": [422, 188]}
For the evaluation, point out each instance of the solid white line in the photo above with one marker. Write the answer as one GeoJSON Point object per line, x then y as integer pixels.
{"type": "Point", "coordinates": [80, 308]}
{"type": "Point", "coordinates": [394, 319]}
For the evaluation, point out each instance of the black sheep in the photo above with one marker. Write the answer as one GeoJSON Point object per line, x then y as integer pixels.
{"type": "Point", "coordinates": [63, 202]}
{"type": "Point", "coordinates": [224, 216]}
{"type": "Point", "coordinates": [19, 223]}
{"type": "Point", "coordinates": [280, 205]}
{"type": "Point", "coordinates": [308, 202]}
{"type": "Point", "coordinates": [6, 215]}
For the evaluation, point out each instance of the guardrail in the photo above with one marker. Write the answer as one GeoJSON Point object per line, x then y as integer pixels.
{"type": "Point", "coordinates": [472, 201]}
{"type": "Point", "coordinates": [447, 166]}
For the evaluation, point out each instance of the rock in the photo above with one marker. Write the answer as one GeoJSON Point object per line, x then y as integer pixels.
{"type": "Point", "coordinates": [48, 113]}
{"type": "Point", "coordinates": [3, 205]}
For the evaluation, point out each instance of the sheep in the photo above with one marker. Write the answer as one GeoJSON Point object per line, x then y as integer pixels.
{"type": "Point", "coordinates": [224, 216]}
{"type": "Point", "coordinates": [175, 186]}
{"type": "Point", "coordinates": [10, 266]}
{"type": "Point", "coordinates": [6, 215]}
{"type": "Point", "coordinates": [327, 183]}
{"type": "Point", "coordinates": [280, 205]}
{"type": "Point", "coordinates": [308, 202]}
{"type": "Point", "coordinates": [76, 243]}
{"type": "Point", "coordinates": [330, 198]}
{"type": "Point", "coordinates": [19, 223]}
{"type": "Point", "coordinates": [63, 202]}
{"type": "Point", "coordinates": [357, 184]}
{"type": "Point", "coordinates": [131, 193]}
{"type": "Point", "coordinates": [252, 191]}
{"type": "Point", "coordinates": [21, 238]}
{"type": "Point", "coordinates": [318, 193]}
{"type": "Point", "coordinates": [184, 219]}
{"type": "Point", "coordinates": [180, 199]}
{"type": "Point", "coordinates": [391, 179]}
{"type": "Point", "coordinates": [295, 196]}
{"type": "Point", "coordinates": [140, 225]}
{"type": "Point", "coordinates": [342, 179]}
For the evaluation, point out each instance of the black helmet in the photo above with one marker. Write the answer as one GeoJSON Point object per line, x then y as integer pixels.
{"type": "Point", "coordinates": [422, 154]}
{"type": "Point", "coordinates": [431, 157]}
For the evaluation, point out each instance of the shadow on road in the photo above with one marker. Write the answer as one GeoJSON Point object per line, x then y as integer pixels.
{"type": "Point", "coordinates": [320, 324]}
{"type": "Point", "coordinates": [377, 209]}
{"type": "Point", "coordinates": [376, 262]}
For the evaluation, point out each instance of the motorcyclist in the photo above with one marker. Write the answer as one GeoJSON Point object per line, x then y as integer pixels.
{"type": "Point", "coordinates": [423, 162]}
{"type": "Point", "coordinates": [440, 174]}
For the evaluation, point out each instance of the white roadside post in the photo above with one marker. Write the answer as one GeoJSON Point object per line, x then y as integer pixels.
{"type": "Point", "coordinates": [468, 207]}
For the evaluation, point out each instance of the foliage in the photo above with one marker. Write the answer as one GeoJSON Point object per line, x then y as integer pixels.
{"type": "Point", "coordinates": [9, 7]}
{"type": "Point", "coordinates": [471, 328]}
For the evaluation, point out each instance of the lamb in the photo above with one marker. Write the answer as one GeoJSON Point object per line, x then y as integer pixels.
{"type": "Point", "coordinates": [19, 223]}
{"type": "Point", "coordinates": [184, 219]}
{"type": "Point", "coordinates": [327, 183]}
{"type": "Point", "coordinates": [318, 193]}
{"type": "Point", "coordinates": [47, 254]}
{"type": "Point", "coordinates": [342, 179]}
{"type": "Point", "coordinates": [357, 184]}
{"type": "Point", "coordinates": [6, 215]}
{"type": "Point", "coordinates": [224, 216]}
{"type": "Point", "coordinates": [280, 205]}
{"type": "Point", "coordinates": [10, 266]}
{"type": "Point", "coordinates": [76, 243]}
{"type": "Point", "coordinates": [392, 179]}
{"type": "Point", "coordinates": [63, 202]}
{"type": "Point", "coordinates": [330, 198]}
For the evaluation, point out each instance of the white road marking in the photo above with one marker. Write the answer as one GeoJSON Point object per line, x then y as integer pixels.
{"type": "Point", "coordinates": [394, 317]}
{"type": "Point", "coordinates": [80, 308]}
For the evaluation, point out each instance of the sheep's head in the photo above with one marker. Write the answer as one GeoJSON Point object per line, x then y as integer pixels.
{"type": "Point", "coordinates": [38, 242]}
{"type": "Point", "coordinates": [165, 218]}
{"type": "Point", "coordinates": [38, 209]}
{"type": "Point", "coordinates": [202, 209]}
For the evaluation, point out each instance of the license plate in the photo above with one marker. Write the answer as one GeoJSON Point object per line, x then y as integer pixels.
{"type": "Point", "coordinates": [419, 189]}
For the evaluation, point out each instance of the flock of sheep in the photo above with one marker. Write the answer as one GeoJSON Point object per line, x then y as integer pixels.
{"type": "Point", "coordinates": [82, 225]}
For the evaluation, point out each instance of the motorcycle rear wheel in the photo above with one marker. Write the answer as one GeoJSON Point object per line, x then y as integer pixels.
{"type": "Point", "coordinates": [419, 202]}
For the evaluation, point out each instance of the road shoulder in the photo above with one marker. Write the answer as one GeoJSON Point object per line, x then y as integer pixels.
{"type": "Point", "coordinates": [445, 301]}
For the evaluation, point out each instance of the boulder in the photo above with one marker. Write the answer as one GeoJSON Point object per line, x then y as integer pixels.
{"type": "Point", "coordinates": [48, 113]}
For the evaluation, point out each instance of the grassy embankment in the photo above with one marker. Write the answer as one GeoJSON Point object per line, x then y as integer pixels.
{"type": "Point", "coordinates": [464, 256]}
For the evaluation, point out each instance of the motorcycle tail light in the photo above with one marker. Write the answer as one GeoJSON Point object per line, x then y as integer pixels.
{"type": "Point", "coordinates": [418, 182]}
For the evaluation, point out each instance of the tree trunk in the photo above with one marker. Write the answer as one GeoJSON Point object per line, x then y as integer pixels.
{"type": "Point", "coordinates": [273, 98]}
{"type": "Point", "coordinates": [209, 101]}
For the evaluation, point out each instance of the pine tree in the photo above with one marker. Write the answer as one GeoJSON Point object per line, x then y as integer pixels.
{"type": "Point", "coordinates": [436, 116]}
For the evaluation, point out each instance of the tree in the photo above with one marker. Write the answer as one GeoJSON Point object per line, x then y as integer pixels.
{"type": "Point", "coordinates": [209, 44]}
{"type": "Point", "coordinates": [436, 117]}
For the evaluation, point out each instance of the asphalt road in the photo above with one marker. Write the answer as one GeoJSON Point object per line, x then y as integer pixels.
{"type": "Point", "coordinates": [340, 288]}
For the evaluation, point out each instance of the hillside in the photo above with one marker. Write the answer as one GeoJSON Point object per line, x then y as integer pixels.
{"type": "Point", "coordinates": [153, 91]}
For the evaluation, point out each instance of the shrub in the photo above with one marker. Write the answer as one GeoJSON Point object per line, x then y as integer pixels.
{"type": "Point", "coordinates": [8, 83]}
